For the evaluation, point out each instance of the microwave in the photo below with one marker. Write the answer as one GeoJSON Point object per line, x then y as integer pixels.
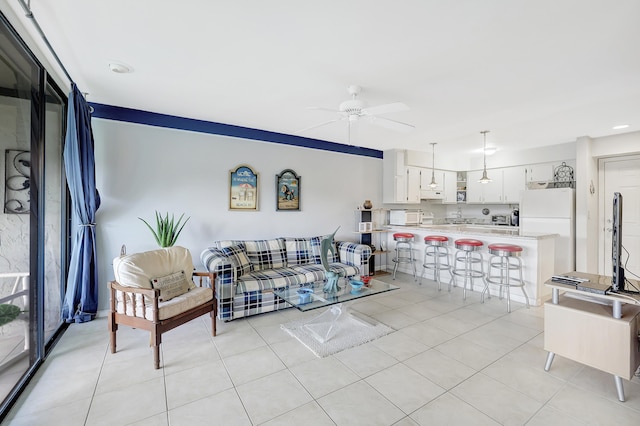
{"type": "Point", "coordinates": [404, 217]}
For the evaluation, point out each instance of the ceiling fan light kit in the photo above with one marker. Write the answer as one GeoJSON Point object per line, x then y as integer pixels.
{"type": "Point", "coordinates": [354, 109]}
{"type": "Point", "coordinates": [484, 178]}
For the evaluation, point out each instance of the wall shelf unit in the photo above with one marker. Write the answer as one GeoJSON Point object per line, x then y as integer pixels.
{"type": "Point", "coordinates": [369, 227]}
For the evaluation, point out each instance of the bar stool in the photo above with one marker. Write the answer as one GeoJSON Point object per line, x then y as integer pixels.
{"type": "Point", "coordinates": [504, 259]}
{"type": "Point", "coordinates": [436, 257]}
{"type": "Point", "coordinates": [404, 251]}
{"type": "Point", "coordinates": [468, 253]}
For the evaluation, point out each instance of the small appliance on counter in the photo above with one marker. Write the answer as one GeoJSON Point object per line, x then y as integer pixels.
{"type": "Point", "coordinates": [515, 217]}
{"type": "Point", "coordinates": [500, 219]}
{"type": "Point", "coordinates": [427, 218]}
{"type": "Point", "coordinates": [405, 217]}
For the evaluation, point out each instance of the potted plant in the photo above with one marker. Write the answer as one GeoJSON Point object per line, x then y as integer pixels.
{"type": "Point", "coordinates": [167, 229]}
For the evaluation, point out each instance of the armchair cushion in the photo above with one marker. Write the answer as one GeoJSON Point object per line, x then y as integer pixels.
{"type": "Point", "coordinates": [137, 270]}
{"type": "Point", "coordinates": [171, 285]}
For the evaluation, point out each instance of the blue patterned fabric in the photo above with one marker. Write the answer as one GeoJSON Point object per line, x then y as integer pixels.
{"type": "Point", "coordinates": [238, 256]}
{"type": "Point", "coordinates": [299, 251]}
{"type": "Point", "coordinates": [277, 263]}
{"type": "Point", "coordinates": [317, 257]}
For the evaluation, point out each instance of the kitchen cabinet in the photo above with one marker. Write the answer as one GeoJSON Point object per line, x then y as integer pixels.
{"type": "Point", "coordinates": [484, 192]}
{"type": "Point", "coordinates": [461, 184]}
{"type": "Point", "coordinates": [450, 188]}
{"type": "Point", "coordinates": [504, 188]}
{"type": "Point", "coordinates": [413, 184]}
{"type": "Point", "coordinates": [401, 183]}
{"type": "Point", "coordinates": [539, 172]}
{"type": "Point", "coordinates": [513, 182]}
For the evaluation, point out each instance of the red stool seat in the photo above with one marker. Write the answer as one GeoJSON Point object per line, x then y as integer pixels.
{"type": "Point", "coordinates": [402, 235]}
{"type": "Point", "coordinates": [439, 238]}
{"type": "Point", "coordinates": [500, 249]}
{"type": "Point", "coordinates": [469, 244]}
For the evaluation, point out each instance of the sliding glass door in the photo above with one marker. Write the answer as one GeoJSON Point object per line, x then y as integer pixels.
{"type": "Point", "coordinates": [32, 218]}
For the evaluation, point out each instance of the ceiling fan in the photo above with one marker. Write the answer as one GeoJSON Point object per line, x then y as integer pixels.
{"type": "Point", "coordinates": [354, 110]}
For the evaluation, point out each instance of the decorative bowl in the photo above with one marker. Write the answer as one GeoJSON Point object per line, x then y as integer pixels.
{"type": "Point", "coordinates": [305, 295]}
{"type": "Point", "coordinates": [356, 286]}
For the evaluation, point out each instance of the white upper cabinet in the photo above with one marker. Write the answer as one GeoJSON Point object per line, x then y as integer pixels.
{"type": "Point", "coordinates": [504, 188]}
{"type": "Point", "coordinates": [539, 172]}
{"type": "Point", "coordinates": [484, 192]}
{"type": "Point", "coordinates": [513, 182]}
{"type": "Point", "coordinates": [400, 184]}
{"type": "Point", "coordinates": [413, 184]}
{"type": "Point", "coordinates": [450, 187]}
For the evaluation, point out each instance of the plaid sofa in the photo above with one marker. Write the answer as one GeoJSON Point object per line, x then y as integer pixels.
{"type": "Point", "coordinates": [249, 270]}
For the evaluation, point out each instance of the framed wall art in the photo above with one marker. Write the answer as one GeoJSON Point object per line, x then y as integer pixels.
{"type": "Point", "coordinates": [17, 193]}
{"type": "Point", "coordinates": [288, 191]}
{"type": "Point", "coordinates": [243, 188]}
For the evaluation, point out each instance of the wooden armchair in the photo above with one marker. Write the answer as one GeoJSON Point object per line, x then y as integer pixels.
{"type": "Point", "coordinates": [149, 293]}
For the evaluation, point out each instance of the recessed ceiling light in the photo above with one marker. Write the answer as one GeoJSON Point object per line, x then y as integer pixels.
{"type": "Point", "coordinates": [490, 151]}
{"type": "Point", "coordinates": [620, 126]}
{"type": "Point", "coordinates": [120, 68]}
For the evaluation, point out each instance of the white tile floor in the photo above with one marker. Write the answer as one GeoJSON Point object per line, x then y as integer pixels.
{"type": "Point", "coordinates": [449, 362]}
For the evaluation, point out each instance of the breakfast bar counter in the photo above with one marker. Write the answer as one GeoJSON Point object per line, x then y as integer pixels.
{"type": "Point", "coordinates": [538, 252]}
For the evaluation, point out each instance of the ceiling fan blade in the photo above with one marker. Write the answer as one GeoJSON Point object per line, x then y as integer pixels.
{"type": "Point", "coordinates": [318, 125]}
{"type": "Point", "coordinates": [391, 124]}
{"type": "Point", "coordinates": [385, 109]}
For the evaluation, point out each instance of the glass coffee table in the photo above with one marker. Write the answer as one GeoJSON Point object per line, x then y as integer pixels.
{"type": "Point", "coordinates": [309, 297]}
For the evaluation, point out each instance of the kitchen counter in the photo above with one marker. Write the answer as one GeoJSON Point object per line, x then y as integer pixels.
{"type": "Point", "coordinates": [503, 231]}
{"type": "Point", "coordinates": [538, 252]}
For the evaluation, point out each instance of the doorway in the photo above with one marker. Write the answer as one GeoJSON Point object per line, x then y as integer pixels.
{"type": "Point", "coordinates": [620, 174]}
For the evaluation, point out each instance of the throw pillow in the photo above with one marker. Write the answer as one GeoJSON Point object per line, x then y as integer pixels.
{"type": "Point", "coordinates": [171, 285]}
{"type": "Point", "coordinates": [238, 256]}
{"type": "Point", "coordinates": [315, 246]}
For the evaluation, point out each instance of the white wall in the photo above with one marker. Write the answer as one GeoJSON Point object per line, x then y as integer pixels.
{"type": "Point", "coordinates": [140, 169]}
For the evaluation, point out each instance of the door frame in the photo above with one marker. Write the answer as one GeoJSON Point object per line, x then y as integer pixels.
{"type": "Point", "coordinates": [604, 203]}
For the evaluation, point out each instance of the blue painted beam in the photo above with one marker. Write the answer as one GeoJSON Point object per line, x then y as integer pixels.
{"type": "Point", "coordinates": [129, 115]}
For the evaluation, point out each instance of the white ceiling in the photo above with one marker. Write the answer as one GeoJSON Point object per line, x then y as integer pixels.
{"type": "Point", "coordinates": [534, 73]}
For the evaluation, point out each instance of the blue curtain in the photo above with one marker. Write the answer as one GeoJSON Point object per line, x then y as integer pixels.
{"type": "Point", "coordinates": [81, 298]}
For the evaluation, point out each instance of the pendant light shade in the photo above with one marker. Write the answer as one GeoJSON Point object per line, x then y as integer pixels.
{"type": "Point", "coordinates": [484, 178]}
{"type": "Point", "coordinates": [433, 183]}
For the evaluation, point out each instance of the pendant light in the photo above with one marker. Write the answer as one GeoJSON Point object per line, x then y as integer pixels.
{"type": "Point", "coordinates": [484, 178]}
{"type": "Point", "coordinates": [433, 183]}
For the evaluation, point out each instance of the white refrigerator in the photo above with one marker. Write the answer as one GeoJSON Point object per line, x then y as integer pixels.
{"type": "Point", "coordinates": [552, 211]}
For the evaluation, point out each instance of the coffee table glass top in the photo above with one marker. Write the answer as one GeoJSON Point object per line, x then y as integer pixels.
{"type": "Point", "coordinates": [310, 297]}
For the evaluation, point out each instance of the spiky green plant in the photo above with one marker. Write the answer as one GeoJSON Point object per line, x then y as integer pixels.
{"type": "Point", "coordinates": [167, 230]}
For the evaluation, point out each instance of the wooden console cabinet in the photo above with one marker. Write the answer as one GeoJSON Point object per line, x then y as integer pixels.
{"type": "Point", "coordinates": [588, 332]}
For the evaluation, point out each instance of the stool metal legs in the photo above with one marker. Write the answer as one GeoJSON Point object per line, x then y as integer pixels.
{"type": "Point", "coordinates": [468, 258]}
{"type": "Point", "coordinates": [440, 261]}
{"type": "Point", "coordinates": [404, 254]}
{"type": "Point", "coordinates": [505, 280]}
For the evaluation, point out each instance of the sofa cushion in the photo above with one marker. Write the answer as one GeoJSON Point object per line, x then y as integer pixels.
{"type": "Point", "coordinates": [138, 269]}
{"type": "Point", "coordinates": [269, 279]}
{"type": "Point", "coordinates": [299, 251]}
{"type": "Point", "coordinates": [266, 254]}
{"type": "Point", "coordinates": [314, 273]}
{"type": "Point", "coordinates": [238, 256]}
{"type": "Point", "coordinates": [317, 258]}
{"type": "Point", "coordinates": [171, 285]}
